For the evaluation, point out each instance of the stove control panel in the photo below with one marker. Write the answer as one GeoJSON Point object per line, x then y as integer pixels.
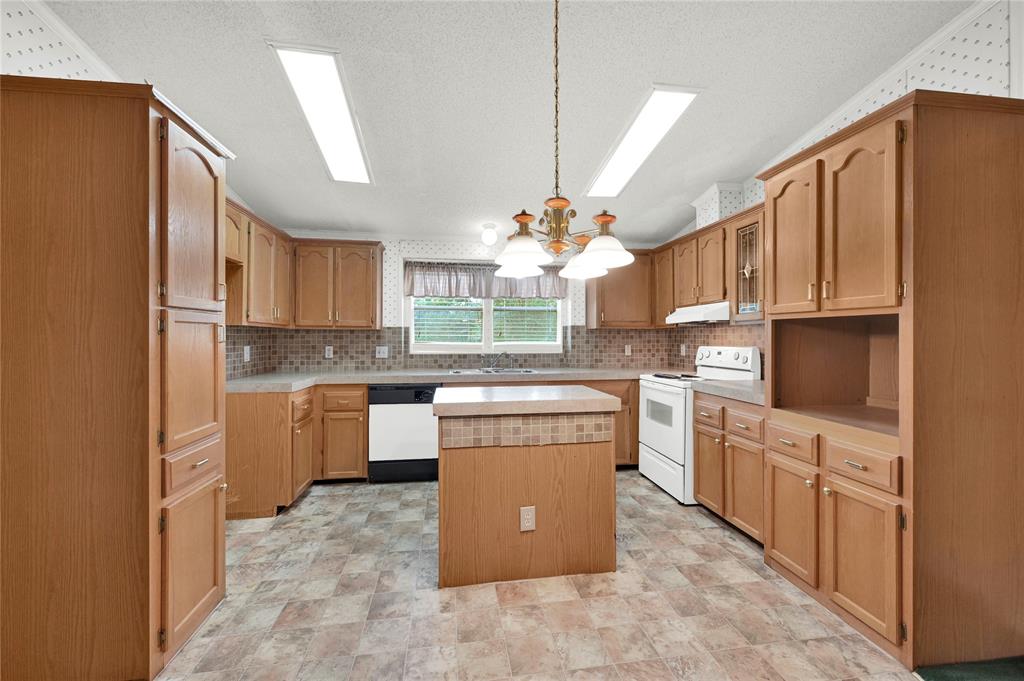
{"type": "Point", "coordinates": [720, 357]}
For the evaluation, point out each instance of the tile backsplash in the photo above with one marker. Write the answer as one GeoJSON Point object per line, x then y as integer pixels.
{"type": "Point", "coordinates": [297, 350]}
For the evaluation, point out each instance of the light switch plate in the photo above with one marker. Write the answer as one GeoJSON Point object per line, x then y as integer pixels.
{"type": "Point", "coordinates": [328, 352]}
{"type": "Point", "coordinates": [682, 349]}
{"type": "Point", "coordinates": [246, 353]}
{"type": "Point", "coordinates": [629, 350]}
{"type": "Point", "coordinates": [382, 352]}
{"type": "Point", "coordinates": [527, 518]}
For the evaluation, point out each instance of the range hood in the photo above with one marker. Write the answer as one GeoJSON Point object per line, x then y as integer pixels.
{"type": "Point", "coordinates": [712, 312]}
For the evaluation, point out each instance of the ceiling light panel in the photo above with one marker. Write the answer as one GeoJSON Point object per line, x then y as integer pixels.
{"type": "Point", "coordinates": [317, 84]}
{"type": "Point", "coordinates": [659, 113]}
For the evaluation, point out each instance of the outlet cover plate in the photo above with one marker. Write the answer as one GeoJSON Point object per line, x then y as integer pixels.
{"type": "Point", "coordinates": [382, 352]}
{"type": "Point", "coordinates": [527, 518]}
{"type": "Point", "coordinates": [246, 353]}
{"type": "Point", "coordinates": [328, 352]}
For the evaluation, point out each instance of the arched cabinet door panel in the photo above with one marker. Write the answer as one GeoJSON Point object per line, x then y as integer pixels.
{"type": "Point", "coordinates": [793, 217]}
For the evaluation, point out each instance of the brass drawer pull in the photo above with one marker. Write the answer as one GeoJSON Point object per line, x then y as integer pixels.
{"type": "Point", "coordinates": [788, 443]}
{"type": "Point", "coordinates": [826, 491]}
{"type": "Point", "coordinates": [854, 464]}
{"type": "Point", "coordinates": [705, 414]}
{"type": "Point", "coordinates": [743, 426]}
{"type": "Point", "coordinates": [809, 483]}
{"type": "Point", "coordinates": [203, 462]}
{"type": "Point", "coordinates": [810, 290]}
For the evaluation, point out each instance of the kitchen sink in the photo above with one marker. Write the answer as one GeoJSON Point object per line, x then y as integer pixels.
{"type": "Point", "coordinates": [492, 371]}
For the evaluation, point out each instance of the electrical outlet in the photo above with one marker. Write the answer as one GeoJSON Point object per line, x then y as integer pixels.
{"type": "Point", "coordinates": [527, 518]}
{"type": "Point", "coordinates": [246, 353]}
{"type": "Point", "coordinates": [382, 352]}
{"type": "Point", "coordinates": [328, 352]}
{"type": "Point", "coordinates": [629, 350]}
{"type": "Point", "coordinates": [682, 349]}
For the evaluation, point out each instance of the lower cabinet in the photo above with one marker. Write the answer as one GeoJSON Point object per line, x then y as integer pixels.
{"type": "Point", "coordinates": [861, 566]}
{"type": "Point", "coordinates": [791, 517]}
{"type": "Point", "coordinates": [344, 445]}
{"type": "Point", "coordinates": [192, 528]}
{"type": "Point", "coordinates": [709, 469]}
{"type": "Point", "coordinates": [302, 456]}
{"type": "Point", "coordinates": [744, 485]}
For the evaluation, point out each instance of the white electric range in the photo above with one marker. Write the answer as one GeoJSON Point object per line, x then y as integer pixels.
{"type": "Point", "coordinates": [666, 415]}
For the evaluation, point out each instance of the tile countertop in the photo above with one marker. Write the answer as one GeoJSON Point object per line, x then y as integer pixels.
{"type": "Point", "coordinates": [290, 382]}
{"type": "Point", "coordinates": [522, 399]}
{"type": "Point", "coordinates": [751, 392]}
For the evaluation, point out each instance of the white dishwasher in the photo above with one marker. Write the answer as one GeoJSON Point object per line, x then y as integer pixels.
{"type": "Point", "coordinates": [403, 432]}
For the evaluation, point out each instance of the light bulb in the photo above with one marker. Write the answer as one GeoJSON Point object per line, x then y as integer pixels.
{"type": "Point", "coordinates": [489, 235]}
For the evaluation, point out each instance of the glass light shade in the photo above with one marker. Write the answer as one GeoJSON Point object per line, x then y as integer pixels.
{"type": "Point", "coordinates": [577, 269]}
{"type": "Point", "coordinates": [489, 235]}
{"type": "Point", "coordinates": [517, 271]}
{"type": "Point", "coordinates": [605, 252]}
{"type": "Point", "coordinates": [523, 250]}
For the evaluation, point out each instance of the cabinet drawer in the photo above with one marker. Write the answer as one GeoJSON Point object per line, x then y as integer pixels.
{"type": "Point", "coordinates": [707, 414]}
{"type": "Point", "coordinates": [192, 463]}
{"type": "Point", "coordinates": [745, 425]}
{"type": "Point", "coordinates": [302, 408]}
{"type": "Point", "coordinates": [869, 466]}
{"type": "Point", "coordinates": [798, 444]}
{"type": "Point", "coordinates": [344, 400]}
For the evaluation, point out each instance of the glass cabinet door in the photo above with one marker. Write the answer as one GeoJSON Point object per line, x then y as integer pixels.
{"type": "Point", "coordinates": [749, 281]}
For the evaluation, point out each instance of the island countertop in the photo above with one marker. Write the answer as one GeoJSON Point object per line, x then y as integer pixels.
{"type": "Point", "coordinates": [522, 399]}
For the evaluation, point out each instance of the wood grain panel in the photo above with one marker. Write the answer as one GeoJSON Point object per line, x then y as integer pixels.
{"type": "Point", "coordinates": [193, 376]}
{"type": "Point", "coordinates": [664, 286]}
{"type": "Point", "coordinates": [258, 439]}
{"type": "Point", "coordinates": [623, 298]}
{"type": "Point", "coordinates": [791, 517]}
{"type": "Point", "coordinates": [314, 285]}
{"type": "Point", "coordinates": [356, 276]}
{"type": "Point", "coordinates": [711, 267]}
{"type": "Point", "coordinates": [260, 274]}
{"type": "Point", "coordinates": [684, 257]}
{"type": "Point", "coordinates": [744, 485]}
{"type": "Point", "coordinates": [481, 490]}
{"type": "Point", "coordinates": [793, 229]}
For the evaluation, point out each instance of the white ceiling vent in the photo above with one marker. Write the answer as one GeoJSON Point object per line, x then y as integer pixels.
{"type": "Point", "coordinates": [34, 42]}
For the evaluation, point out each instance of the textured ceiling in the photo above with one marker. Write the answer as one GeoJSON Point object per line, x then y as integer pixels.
{"type": "Point", "coordinates": [454, 99]}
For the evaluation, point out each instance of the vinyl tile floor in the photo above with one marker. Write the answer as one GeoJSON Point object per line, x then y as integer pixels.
{"type": "Point", "coordinates": [343, 586]}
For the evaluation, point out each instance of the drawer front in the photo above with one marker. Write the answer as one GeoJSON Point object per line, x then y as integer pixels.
{"type": "Point", "coordinates": [344, 400]}
{"type": "Point", "coordinates": [192, 463]}
{"type": "Point", "coordinates": [792, 442]}
{"type": "Point", "coordinates": [707, 414]}
{"type": "Point", "coordinates": [745, 425]}
{"type": "Point", "coordinates": [302, 409]}
{"type": "Point", "coordinates": [870, 466]}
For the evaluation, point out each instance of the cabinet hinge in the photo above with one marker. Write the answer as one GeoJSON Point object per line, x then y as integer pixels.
{"type": "Point", "coordinates": [901, 290]}
{"type": "Point", "coordinates": [162, 129]}
{"type": "Point", "coordinates": [161, 638]}
{"type": "Point", "coordinates": [903, 631]}
{"type": "Point", "coordinates": [162, 524]}
{"type": "Point", "coordinates": [903, 521]}
{"type": "Point", "coordinates": [159, 437]}
{"type": "Point", "coordinates": [161, 289]}
{"type": "Point", "coordinates": [160, 325]}
{"type": "Point", "coordinates": [901, 133]}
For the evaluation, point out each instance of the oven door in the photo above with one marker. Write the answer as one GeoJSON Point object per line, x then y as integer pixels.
{"type": "Point", "coordinates": [664, 414]}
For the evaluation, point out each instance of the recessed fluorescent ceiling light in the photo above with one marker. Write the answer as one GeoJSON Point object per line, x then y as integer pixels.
{"type": "Point", "coordinates": [659, 113]}
{"type": "Point", "coordinates": [317, 84]}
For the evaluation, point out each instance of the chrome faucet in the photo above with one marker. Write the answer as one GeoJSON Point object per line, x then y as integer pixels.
{"type": "Point", "coordinates": [497, 359]}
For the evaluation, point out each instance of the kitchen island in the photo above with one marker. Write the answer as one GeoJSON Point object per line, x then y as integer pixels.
{"type": "Point", "coordinates": [515, 456]}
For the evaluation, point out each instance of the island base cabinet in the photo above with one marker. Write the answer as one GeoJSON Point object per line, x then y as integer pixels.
{"type": "Point", "coordinates": [861, 568]}
{"type": "Point", "coordinates": [744, 473]}
{"type": "Point", "coordinates": [344, 445]}
{"type": "Point", "coordinates": [193, 561]}
{"type": "Point", "coordinates": [791, 510]}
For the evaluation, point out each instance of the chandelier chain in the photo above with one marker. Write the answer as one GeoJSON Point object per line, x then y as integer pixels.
{"type": "Point", "coordinates": [558, 188]}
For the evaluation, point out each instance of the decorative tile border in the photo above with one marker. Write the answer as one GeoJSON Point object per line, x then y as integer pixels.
{"type": "Point", "coordinates": [516, 431]}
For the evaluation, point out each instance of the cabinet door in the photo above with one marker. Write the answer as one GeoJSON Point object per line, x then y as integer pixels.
{"type": "Point", "coordinates": [193, 560]}
{"type": "Point", "coordinates": [625, 428]}
{"type": "Point", "coordinates": [356, 284]}
{"type": "Point", "coordinates": [283, 282]}
{"type": "Point", "coordinates": [860, 254]}
{"type": "Point", "coordinates": [744, 486]}
{"type": "Point", "coordinates": [862, 555]}
{"type": "Point", "coordinates": [794, 223]}
{"type": "Point", "coordinates": [314, 286]}
{"type": "Point", "coordinates": [745, 267]}
{"type": "Point", "coordinates": [262, 243]}
{"type": "Point", "coordinates": [192, 242]}
{"type": "Point", "coordinates": [685, 273]}
{"type": "Point", "coordinates": [625, 295]}
{"type": "Point", "coordinates": [791, 518]}
{"type": "Point", "coordinates": [664, 286]}
{"type": "Point", "coordinates": [236, 235]}
{"type": "Point", "coordinates": [302, 456]}
{"type": "Point", "coordinates": [711, 267]}
{"type": "Point", "coordinates": [193, 376]}
{"type": "Point", "coordinates": [344, 445]}
{"type": "Point", "coordinates": [709, 469]}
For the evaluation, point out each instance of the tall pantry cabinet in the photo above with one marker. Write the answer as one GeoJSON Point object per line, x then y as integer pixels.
{"type": "Point", "coordinates": [112, 289]}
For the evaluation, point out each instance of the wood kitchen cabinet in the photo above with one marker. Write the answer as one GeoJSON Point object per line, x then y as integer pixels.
{"type": "Point", "coordinates": [269, 277]}
{"type": "Point", "coordinates": [338, 284]}
{"type": "Point", "coordinates": [283, 268]}
{"type": "Point", "coordinates": [744, 485]}
{"type": "Point", "coordinates": [744, 264]}
{"type": "Point", "coordinates": [193, 376]}
{"type": "Point", "coordinates": [685, 273]}
{"type": "Point", "coordinates": [709, 469]}
{"type": "Point", "coordinates": [193, 559]}
{"type": "Point", "coordinates": [236, 234]}
{"type": "Point", "coordinates": [664, 286]}
{"type": "Point", "coordinates": [792, 241]}
{"type": "Point", "coordinates": [623, 298]}
{"type": "Point", "coordinates": [302, 457]}
{"type": "Point", "coordinates": [314, 285]}
{"type": "Point", "coordinates": [791, 517]}
{"type": "Point", "coordinates": [344, 445]}
{"type": "Point", "coordinates": [627, 419]}
{"type": "Point", "coordinates": [711, 266]}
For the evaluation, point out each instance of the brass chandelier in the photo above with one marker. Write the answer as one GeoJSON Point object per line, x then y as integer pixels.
{"type": "Point", "coordinates": [597, 248]}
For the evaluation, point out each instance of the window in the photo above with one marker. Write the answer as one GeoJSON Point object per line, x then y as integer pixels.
{"type": "Point", "coordinates": [474, 325]}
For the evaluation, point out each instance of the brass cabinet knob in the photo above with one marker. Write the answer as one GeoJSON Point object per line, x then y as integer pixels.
{"type": "Point", "coordinates": [224, 487]}
{"type": "Point", "coordinates": [808, 483]}
{"type": "Point", "coordinates": [728, 445]}
{"type": "Point", "coordinates": [718, 441]}
{"type": "Point", "coordinates": [826, 491]}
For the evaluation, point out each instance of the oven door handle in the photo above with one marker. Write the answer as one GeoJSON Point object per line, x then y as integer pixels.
{"type": "Point", "coordinates": [678, 392]}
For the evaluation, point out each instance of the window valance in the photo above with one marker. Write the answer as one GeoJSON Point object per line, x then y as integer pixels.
{"type": "Point", "coordinates": [477, 280]}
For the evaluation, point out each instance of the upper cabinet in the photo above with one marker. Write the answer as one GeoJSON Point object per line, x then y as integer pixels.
{"type": "Point", "coordinates": [283, 281]}
{"type": "Point", "coordinates": [711, 266]}
{"type": "Point", "coordinates": [663, 286]}
{"type": "Point", "coordinates": [622, 298]}
{"type": "Point", "coordinates": [314, 285]}
{"type": "Point", "coordinates": [260, 274]}
{"type": "Point", "coordinates": [338, 284]}
{"type": "Point", "coordinates": [744, 265]}
{"type": "Point", "coordinates": [192, 222]}
{"type": "Point", "coordinates": [236, 235]}
{"type": "Point", "coordinates": [833, 226]}
{"type": "Point", "coordinates": [684, 256]}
